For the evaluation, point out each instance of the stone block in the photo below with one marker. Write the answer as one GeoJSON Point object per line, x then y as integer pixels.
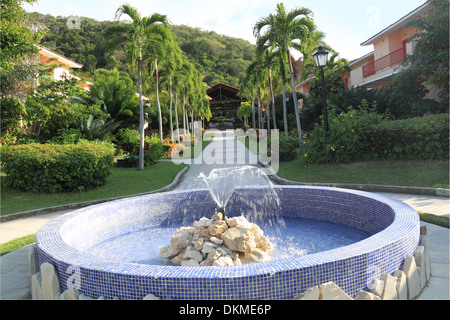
{"type": "Point", "coordinates": [412, 277]}
{"type": "Point", "coordinates": [330, 291]}
{"type": "Point", "coordinates": [364, 295]}
{"type": "Point", "coordinates": [84, 297]}
{"type": "Point", "coordinates": [390, 287]}
{"type": "Point", "coordinates": [32, 260]}
{"type": "Point", "coordinates": [426, 244]}
{"type": "Point", "coordinates": [419, 257]}
{"type": "Point", "coordinates": [402, 287]}
{"type": "Point", "coordinates": [36, 289]}
{"type": "Point", "coordinates": [151, 297]}
{"type": "Point", "coordinates": [310, 294]}
{"type": "Point", "coordinates": [377, 287]}
{"type": "Point", "coordinates": [50, 281]}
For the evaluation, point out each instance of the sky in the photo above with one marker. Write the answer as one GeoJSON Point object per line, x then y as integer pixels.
{"type": "Point", "coordinates": [346, 23]}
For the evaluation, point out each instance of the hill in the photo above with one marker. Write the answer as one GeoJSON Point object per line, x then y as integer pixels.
{"type": "Point", "coordinates": [219, 58]}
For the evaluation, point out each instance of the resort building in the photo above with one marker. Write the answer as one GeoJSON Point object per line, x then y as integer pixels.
{"type": "Point", "coordinates": [224, 104]}
{"type": "Point", "coordinates": [61, 66]}
{"type": "Point", "coordinates": [391, 45]}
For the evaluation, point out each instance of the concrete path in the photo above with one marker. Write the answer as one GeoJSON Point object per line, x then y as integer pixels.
{"type": "Point", "coordinates": [15, 280]}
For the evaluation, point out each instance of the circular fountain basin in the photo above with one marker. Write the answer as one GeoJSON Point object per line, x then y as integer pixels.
{"type": "Point", "coordinates": [393, 233]}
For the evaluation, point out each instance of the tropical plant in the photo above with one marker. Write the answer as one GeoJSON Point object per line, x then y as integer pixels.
{"type": "Point", "coordinates": [431, 55]}
{"type": "Point", "coordinates": [244, 112]}
{"type": "Point", "coordinates": [115, 93]}
{"type": "Point", "coordinates": [284, 30]}
{"type": "Point", "coordinates": [136, 36]}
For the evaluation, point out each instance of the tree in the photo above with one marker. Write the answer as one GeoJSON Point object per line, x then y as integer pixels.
{"type": "Point", "coordinates": [284, 30]}
{"type": "Point", "coordinates": [244, 111]}
{"type": "Point", "coordinates": [115, 92]}
{"type": "Point", "coordinates": [431, 55]}
{"type": "Point", "coordinates": [134, 37]}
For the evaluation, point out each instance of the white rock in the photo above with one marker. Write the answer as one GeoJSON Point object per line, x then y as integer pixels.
{"type": "Point", "coordinates": [419, 256]}
{"type": "Point", "coordinates": [216, 240]}
{"type": "Point", "coordinates": [193, 254]}
{"type": "Point", "coordinates": [182, 238]}
{"type": "Point", "coordinates": [84, 297]}
{"type": "Point", "coordinates": [425, 243]}
{"type": "Point", "coordinates": [218, 216]}
{"type": "Point", "coordinates": [310, 294]}
{"type": "Point", "coordinates": [412, 277]}
{"type": "Point", "coordinates": [167, 252]}
{"type": "Point", "coordinates": [402, 287]}
{"type": "Point", "coordinates": [198, 245]}
{"type": "Point", "coordinates": [239, 221]}
{"type": "Point", "coordinates": [223, 261]}
{"type": "Point", "coordinates": [390, 287]}
{"type": "Point", "coordinates": [72, 294]}
{"type": "Point", "coordinates": [208, 247]}
{"type": "Point", "coordinates": [151, 297]}
{"type": "Point", "coordinates": [190, 263]}
{"type": "Point", "coordinates": [377, 287]}
{"type": "Point", "coordinates": [364, 295]}
{"type": "Point", "coordinates": [50, 281]}
{"type": "Point", "coordinates": [36, 288]}
{"type": "Point", "coordinates": [203, 222]}
{"type": "Point", "coordinates": [330, 291]}
{"type": "Point", "coordinates": [239, 239]}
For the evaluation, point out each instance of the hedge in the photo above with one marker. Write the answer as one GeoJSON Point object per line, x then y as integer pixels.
{"type": "Point", "coordinates": [361, 135]}
{"type": "Point", "coordinates": [51, 168]}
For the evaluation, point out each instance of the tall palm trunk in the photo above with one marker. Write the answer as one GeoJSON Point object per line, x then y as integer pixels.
{"type": "Point", "coordinates": [183, 108]}
{"type": "Point", "coordinates": [170, 110]}
{"type": "Point", "coordinates": [273, 99]}
{"type": "Point", "coordinates": [141, 114]}
{"type": "Point", "coordinates": [268, 112]}
{"type": "Point", "coordinates": [157, 101]}
{"type": "Point", "coordinates": [259, 108]}
{"type": "Point", "coordinates": [176, 117]}
{"type": "Point", "coordinates": [253, 112]}
{"type": "Point", "coordinates": [286, 129]}
{"type": "Point", "coordinates": [294, 96]}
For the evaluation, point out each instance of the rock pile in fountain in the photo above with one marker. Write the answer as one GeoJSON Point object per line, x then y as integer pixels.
{"type": "Point", "coordinates": [216, 242]}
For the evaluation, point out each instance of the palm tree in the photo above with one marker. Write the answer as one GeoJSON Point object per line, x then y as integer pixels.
{"type": "Point", "coordinates": [134, 36]}
{"type": "Point", "coordinates": [283, 29]}
{"type": "Point", "coordinates": [172, 62]}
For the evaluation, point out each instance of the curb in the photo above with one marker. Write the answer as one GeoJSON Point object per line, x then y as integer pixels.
{"type": "Point", "coordinates": [73, 206]}
{"type": "Point", "coordinates": [370, 187]}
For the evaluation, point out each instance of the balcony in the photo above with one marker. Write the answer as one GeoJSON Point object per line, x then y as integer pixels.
{"type": "Point", "coordinates": [386, 62]}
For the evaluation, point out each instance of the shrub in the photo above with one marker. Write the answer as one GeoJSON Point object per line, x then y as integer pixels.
{"type": "Point", "coordinates": [128, 140]}
{"type": "Point", "coordinates": [349, 137]}
{"type": "Point", "coordinates": [50, 168]}
{"type": "Point", "coordinates": [424, 138]}
{"type": "Point", "coordinates": [364, 135]}
{"type": "Point", "coordinates": [154, 151]}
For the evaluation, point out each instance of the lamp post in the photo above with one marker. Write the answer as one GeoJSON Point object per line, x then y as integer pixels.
{"type": "Point", "coordinates": [321, 59]}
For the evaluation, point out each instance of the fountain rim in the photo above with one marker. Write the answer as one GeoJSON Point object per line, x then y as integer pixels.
{"type": "Point", "coordinates": [405, 219]}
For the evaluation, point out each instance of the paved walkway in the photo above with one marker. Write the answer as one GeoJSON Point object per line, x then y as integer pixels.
{"type": "Point", "coordinates": [15, 281]}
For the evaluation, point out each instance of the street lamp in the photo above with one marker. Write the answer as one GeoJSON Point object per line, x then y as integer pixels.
{"type": "Point", "coordinates": [321, 59]}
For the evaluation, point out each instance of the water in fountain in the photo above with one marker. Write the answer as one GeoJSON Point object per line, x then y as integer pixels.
{"type": "Point", "coordinates": [264, 206]}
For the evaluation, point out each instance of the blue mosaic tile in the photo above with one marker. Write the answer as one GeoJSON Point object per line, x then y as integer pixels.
{"type": "Point", "coordinates": [394, 226]}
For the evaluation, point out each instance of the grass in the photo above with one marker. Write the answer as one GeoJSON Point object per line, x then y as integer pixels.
{"type": "Point", "coordinates": [432, 173]}
{"type": "Point", "coordinates": [122, 182]}
{"type": "Point", "coordinates": [16, 244]}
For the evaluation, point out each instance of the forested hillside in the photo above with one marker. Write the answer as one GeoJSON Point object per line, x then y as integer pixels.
{"type": "Point", "coordinates": [219, 58]}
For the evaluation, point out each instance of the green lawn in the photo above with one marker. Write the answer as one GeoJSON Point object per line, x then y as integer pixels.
{"type": "Point", "coordinates": [434, 174]}
{"type": "Point", "coordinates": [122, 182]}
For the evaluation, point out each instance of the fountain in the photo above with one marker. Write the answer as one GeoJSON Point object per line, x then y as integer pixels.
{"type": "Point", "coordinates": [318, 234]}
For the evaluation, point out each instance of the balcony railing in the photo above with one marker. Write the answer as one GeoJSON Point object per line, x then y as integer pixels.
{"type": "Point", "coordinates": [388, 61]}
